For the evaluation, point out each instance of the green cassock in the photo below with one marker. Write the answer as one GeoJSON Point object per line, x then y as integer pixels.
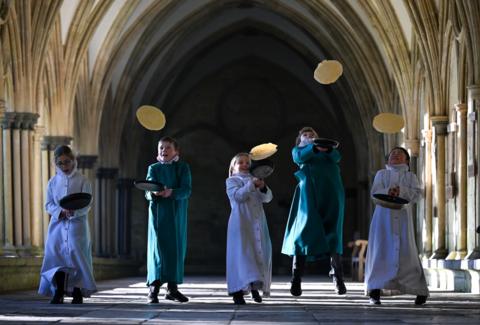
{"type": "Point", "coordinates": [315, 222]}
{"type": "Point", "coordinates": [167, 223]}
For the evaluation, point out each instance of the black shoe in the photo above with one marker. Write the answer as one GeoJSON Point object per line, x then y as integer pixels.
{"type": "Point", "coordinates": [175, 295]}
{"type": "Point", "coordinates": [375, 297]}
{"type": "Point", "coordinates": [256, 296]}
{"type": "Point", "coordinates": [296, 287]}
{"type": "Point", "coordinates": [57, 298]}
{"type": "Point", "coordinates": [238, 298]}
{"type": "Point", "coordinates": [152, 297]}
{"type": "Point", "coordinates": [59, 279]}
{"type": "Point", "coordinates": [339, 286]}
{"type": "Point", "coordinates": [77, 296]}
{"type": "Point", "coordinates": [420, 300]}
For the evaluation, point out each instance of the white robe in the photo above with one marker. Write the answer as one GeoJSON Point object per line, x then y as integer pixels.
{"type": "Point", "coordinates": [249, 249]}
{"type": "Point", "coordinates": [392, 257]}
{"type": "Point", "coordinates": [68, 246]}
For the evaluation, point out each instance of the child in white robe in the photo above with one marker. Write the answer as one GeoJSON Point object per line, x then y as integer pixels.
{"type": "Point", "coordinates": [249, 249]}
{"type": "Point", "coordinates": [392, 257]}
{"type": "Point", "coordinates": [67, 264]}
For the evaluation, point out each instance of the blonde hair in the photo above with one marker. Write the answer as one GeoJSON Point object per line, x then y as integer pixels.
{"type": "Point", "coordinates": [235, 159]}
{"type": "Point", "coordinates": [303, 130]}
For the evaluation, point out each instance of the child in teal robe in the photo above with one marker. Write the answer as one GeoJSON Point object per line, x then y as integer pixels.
{"type": "Point", "coordinates": [167, 222]}
{"type": "Point", "coordinates": [315, 223]}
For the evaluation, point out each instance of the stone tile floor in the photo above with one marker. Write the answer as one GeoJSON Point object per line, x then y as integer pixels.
{"type": "Point", "coordinates": [123, 301]}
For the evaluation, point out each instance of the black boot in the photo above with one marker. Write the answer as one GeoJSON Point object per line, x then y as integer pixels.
{"type": "Point", "coordinates": [256, 296]}
{"type": "Point", "coordinates": [336, 272]}
{"type": "Point", "coordinates": [298, 266]}
{"type": "Point", "coordinates": [238, 298]}
{"type": "Point", "coordinates": [154, 289]}
{"type": "Point", "coordinates": [375, 297]}
{"type": "Point", "coordinates": [77, 296]}
{"type": "Point", "coordinates": [420, 300]}
{"type": "Point", "coordinates": [59, 279]}
{"type": "Point", "coordinates": [174, 294]}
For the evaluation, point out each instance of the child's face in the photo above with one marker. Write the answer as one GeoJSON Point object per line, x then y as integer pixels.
{"type": "Point", "coordinates": [166, 151]}
{"type": "Point", "coordinates": [65, 163]}
{"type": "Point", "coordinates": [307, 136]}
{"type": "Point", "coordinates": [396, 157]}
{"type": "Point", "coordinates": [242, 165]}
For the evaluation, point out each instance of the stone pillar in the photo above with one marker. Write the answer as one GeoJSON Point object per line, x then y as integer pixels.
{"type": "Point", "coordinates": [413, 147]}
{"type": "Point", "coordinates": [105, 225]}
{"type": "Point", "coordinates": [428, 224]}
{"type": "Point", "coordinates": [86, 163]}
{"type": "Point", "coordinates": [473, 181]}
{"type": "Point", "coordinates": [461, 242]}
{"type": "Point", "coordinates": [8, 244]}
{"type": "Point", "coordinates": [37, 192]}
{"type": "Point", "coordinates": [17, 159]}
{"type": "Point", "coordinates": [47, 167]}
{"type": "Point", "coordinates": [124, 199]}
{"type": "Point", "coordinates": [439, 124]}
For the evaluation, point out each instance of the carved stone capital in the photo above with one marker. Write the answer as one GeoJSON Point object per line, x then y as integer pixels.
{"type": "Point", "coordinates": [50, 142]}
{"type": "Point", "coordinates": [440, 124]}
{"type": "Point", "coordinates": [19, 120]}
{"type": "Point", "coordinates": [461, 108]}
{"type": "Point", "coordinates": [414, 146]}
{"type": "Point", "coordinates": [86, 161]}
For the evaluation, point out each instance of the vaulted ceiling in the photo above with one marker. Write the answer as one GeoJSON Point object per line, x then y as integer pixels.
{"type": "Point", "coordinates": [85, 62]}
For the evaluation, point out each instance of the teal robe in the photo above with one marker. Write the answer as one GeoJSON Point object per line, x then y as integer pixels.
{"type": "Point", "coordinates": [167, 223]}
{"type": "Point", "coordinates": [315, 222]}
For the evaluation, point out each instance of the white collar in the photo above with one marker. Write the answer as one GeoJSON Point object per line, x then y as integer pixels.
{"type": "Point", "coordinates": [171, 161]}
{"type": "Point", "coordinates": [398, 167]}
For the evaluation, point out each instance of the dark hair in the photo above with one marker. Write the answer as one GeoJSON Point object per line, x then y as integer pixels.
{"type": "Point", "coordinates": [63, 150]}
{"type": "Point", "coordinates": [407, 155]}
{"type": "Point", "coordinates": [303, 130]}
{"type": "Point", "coordinates": [170, 140]}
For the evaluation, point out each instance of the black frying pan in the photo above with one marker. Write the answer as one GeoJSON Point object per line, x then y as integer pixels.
{"type": "Point", "coordinates": [149, 186]}
{"type": "Point", "coordinates": [76, 201]}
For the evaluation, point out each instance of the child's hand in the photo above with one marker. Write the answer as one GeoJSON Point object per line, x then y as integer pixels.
{"type": "Point", "coordinates": [65, 214]}
{"type": "Point", "coordinates": [321, 148]}
{"type": "Point", "coordinates": [259, 183]}
{"type": "Point", "coordinates": [166, 193]}
{"type": "Point", "coordinates": [394, 191]}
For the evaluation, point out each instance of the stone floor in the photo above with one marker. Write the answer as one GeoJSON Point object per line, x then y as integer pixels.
{"type": "Point", "coordinates": [122, 301]}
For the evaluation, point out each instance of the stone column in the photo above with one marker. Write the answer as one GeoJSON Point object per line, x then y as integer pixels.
{"type": "Point", "coordinates": [38, 205]}
{"type": "Point", "coordinates": [105, 225]}
{"type": "Point", "coordinates": [461, 241]}
{"type": "Point", "coordinates": [86, 165]}
{"type": "Point", "coordinates": [17, 160]}
{"type": "Point", "coordinates": [124, 199]}
{"type": "Point", "coordinates": [428, 224]}
{"type": "Point", "coordinates": [8, 244]}
{"type": "Point", "coordinates": [473, 181]}
{"type": "Point", "coordinates": [439, 124]}
{"type": "Point", "coordinates": [2, 212]}
{"type": "Point", "coordinates": [47, 166]}
{"type": "Point", "coordinates": [413, 146]}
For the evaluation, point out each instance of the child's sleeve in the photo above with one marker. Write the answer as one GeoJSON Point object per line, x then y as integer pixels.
{"type": "Point", "coordinates": [236, 191]}
{"type": "Point", "coordinates": [378, 187]}
{"type": "Point", "coordinates": [86, 188]}
{"type": "Point", "coordinates": [266, 196]}
{"type": "Point", "coordinates": [303, 154]}
{"type": "Point", "coordinates": [413, 191]}
{"type": "Point", "coordinates": [150, 177]}
{"type": "Point", "coordinates": [52, 208]}
{"type": "Point", "coordinates": [185, 190]}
